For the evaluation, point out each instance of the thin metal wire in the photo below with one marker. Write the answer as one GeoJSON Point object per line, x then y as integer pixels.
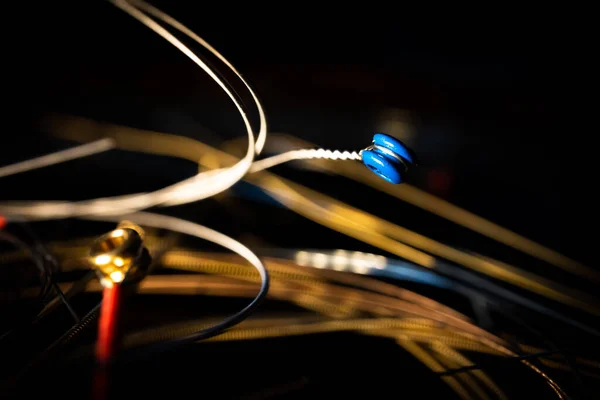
{"type": "Point", "coordinates": [568, 359]}
{"type": "Point", "coordinates": [47, 160]}
{"type": "Point", "coordinates": [62, 340]}
{"type": "Point", "coordinates": [202, 232]}
{"type": "Point", "coordinates": [303, 154]}
{"type": "Point", "coordinates": [42, 259]}
{"type": "Point", "coordinates": [49, 262]}
{"type": "Point", "coordinates": [467, 368]}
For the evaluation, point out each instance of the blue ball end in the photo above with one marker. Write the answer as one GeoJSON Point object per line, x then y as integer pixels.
{"type": "Point", "coordinates": [396, 146]}
{"type": "Point", "coordinates": [382, 166]}
{"type": "Point", "coordinates": [385, 165]}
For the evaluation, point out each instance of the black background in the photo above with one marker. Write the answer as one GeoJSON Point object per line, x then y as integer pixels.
{"type": "Point", "coordinates": [496, 105]}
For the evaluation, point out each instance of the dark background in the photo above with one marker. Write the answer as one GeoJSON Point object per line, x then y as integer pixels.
{"type": "Point", "coordinates": [490, 103]}
{"type": "Point", "coordinates": [489, 106]}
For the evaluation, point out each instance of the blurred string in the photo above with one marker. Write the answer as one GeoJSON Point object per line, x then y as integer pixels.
{"type": "Point", "coordinates": [541, 354]}
{"type": "Point", "coordinates": [47, 160]}
{"type": "Point", "coordinates": [268, 328]}
{"type": "Point", "coordinates": [179, 259]}
{"type": "Point", "coordinates": [148, 8]}
{"type": "Point", "coordinates": [197, 262]}
{"type": "Point", "coordinates": [465, 282]}
{"type": "Point", "coordinates": [357, 224]}
{"type": "Point", "coordinates": [174, 285]}
{"type": "Point", "coordinates": [323, 209]}
{"type": "Point", "coordinates": [445, 276]}
{"type": "Point", "coordinates": [200, 186]}
{"type": "Point", "coordinates": [264, 328]}
{"type": "Point", "coordinates": [222, 264]}
{"type": "Point", "coordinates": [87, 321]}
{"type": "Point", "coordinates": [437, 206]}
